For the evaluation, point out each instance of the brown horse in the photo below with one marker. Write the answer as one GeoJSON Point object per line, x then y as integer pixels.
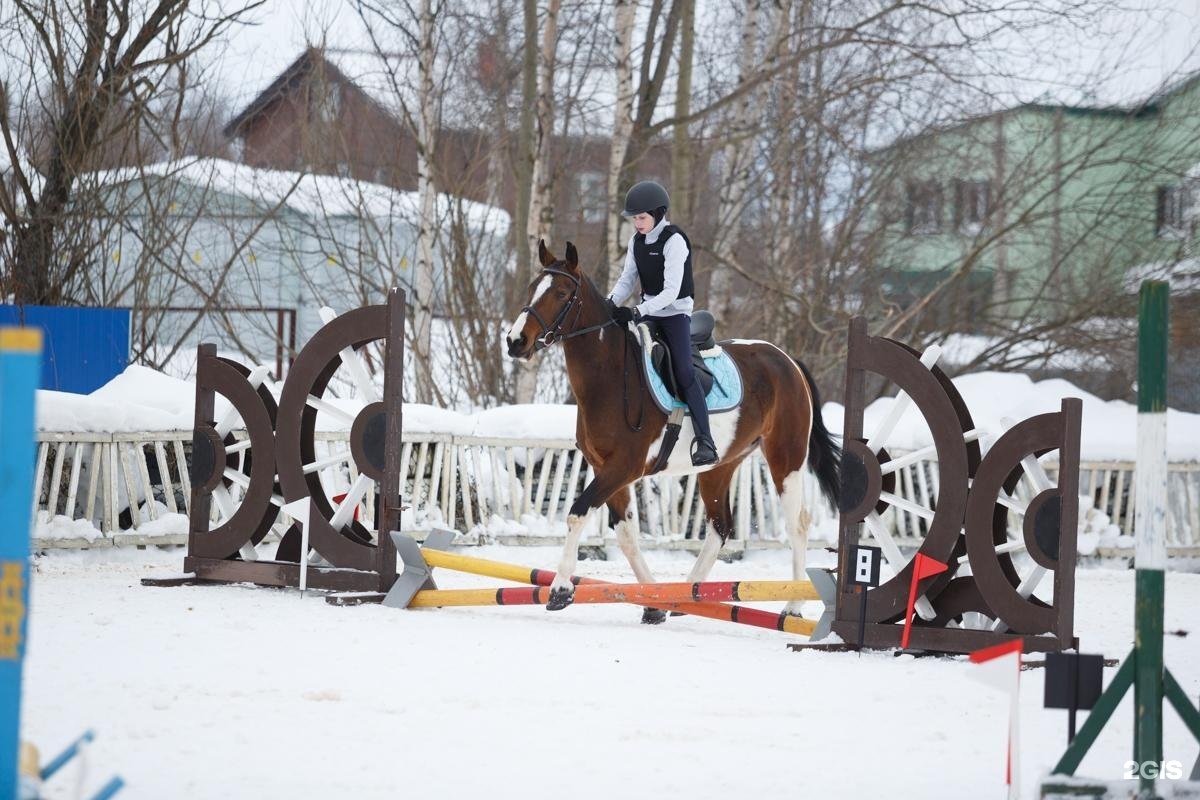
{"type": "Point", "coordinates": [779, 413]}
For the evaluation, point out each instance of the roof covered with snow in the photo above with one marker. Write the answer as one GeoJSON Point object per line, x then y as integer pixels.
{"type": "Point", "coordinates": [305, 193]}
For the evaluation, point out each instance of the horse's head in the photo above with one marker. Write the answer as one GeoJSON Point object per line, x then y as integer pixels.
{"type": "Point", "coordinates": [553, 294]}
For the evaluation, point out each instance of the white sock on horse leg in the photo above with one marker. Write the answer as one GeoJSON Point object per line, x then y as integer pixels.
{"type": "Point", "coordinates": [708, 554]}
{"type": "Point", "coordinates": [570, 553]}
{"type": "Point", "coordinates": [627, 541]}
{"type": "Point", "coordinates": [797, 520]}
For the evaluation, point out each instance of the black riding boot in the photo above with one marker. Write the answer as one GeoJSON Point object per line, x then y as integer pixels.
{"type": "Point", "coordinates": [703, 450]}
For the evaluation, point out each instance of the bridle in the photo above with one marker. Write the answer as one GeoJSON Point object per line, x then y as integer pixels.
{"type": "Point", "coordinates": [552, 334]}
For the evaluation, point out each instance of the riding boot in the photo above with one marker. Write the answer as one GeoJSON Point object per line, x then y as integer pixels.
{"type": "Point", "coordinates": [704, 451]}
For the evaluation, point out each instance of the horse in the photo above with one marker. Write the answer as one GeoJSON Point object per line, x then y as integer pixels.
{"type": "Point", "coordinates": [780, 412]}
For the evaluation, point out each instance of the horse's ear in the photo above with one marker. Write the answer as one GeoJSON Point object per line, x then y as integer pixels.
{"type": "Point", "coordinates": [572, 256]}
{"type": "Point", "coordinates": [544, 254]}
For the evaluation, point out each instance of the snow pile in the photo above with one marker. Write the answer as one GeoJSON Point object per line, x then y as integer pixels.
{"type": "Point", "coordinates": [63, 527]}
{"type": "Point", "coordinates": [139, 399]}
{"type": "Point", "coordinates": [1109, 430]}
{"type": "Point", "coordinates": [1096, 529]}
{"type": "Point", "coordinates": [534, 421]}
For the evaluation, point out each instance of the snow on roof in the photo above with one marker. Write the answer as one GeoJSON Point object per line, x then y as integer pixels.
{"type": "Point", "coordinates": [308, 194]}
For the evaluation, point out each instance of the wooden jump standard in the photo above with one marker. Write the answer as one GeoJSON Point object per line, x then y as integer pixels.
{"type": "Point", "coordinates": [415, 589]}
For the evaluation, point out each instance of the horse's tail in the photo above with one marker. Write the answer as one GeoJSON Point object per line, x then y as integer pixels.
{"type": "Point", "coordinates": [824, 454]}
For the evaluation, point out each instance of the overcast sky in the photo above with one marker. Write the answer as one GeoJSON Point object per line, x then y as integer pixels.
{"type": "Point", "coordinates": [1125, 56]}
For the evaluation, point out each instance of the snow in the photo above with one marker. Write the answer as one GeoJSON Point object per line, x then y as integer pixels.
{"type": "Point", "coordinates": [1109, 428]}
{"type": "Point", "coordinates": [139, 399]}
{"type": "Point", "coordinates": [534, 421]}
{"type": "Point", "coordinates": [230, 692]}
{"type": "Point", "coordinates": [322, 196]}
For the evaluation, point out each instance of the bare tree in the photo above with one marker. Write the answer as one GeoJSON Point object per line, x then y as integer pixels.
{"type": "Point", "coordinates": [85, 82]}
{"type": "Point", "coordinates": [624, 17]}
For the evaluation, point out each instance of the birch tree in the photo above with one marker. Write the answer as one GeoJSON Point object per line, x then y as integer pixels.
{"type": "Point", "coordinates": [427, 189]}
{"type": "Point", "coordinates": [624, 17]}
{"type": "Point", "coordinates": [540, 214]}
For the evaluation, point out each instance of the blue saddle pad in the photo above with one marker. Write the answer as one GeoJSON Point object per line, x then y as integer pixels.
{"type": "Point", "coordinates": [726, 392]}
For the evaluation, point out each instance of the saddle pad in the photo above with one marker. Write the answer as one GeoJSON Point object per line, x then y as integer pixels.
{"type": "Point", "coordinates": [726, 392]}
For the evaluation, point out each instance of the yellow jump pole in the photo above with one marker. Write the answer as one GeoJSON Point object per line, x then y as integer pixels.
{"type": "Point", "coordinates": [703, 606]}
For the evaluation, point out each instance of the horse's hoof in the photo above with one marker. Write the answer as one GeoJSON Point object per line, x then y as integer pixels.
{"type": "Point", "coordinates": [793, 609]}
{"type": "Point", "coordinates": [678, 614]}
{"type": "Point", "coordinates": [560, 599]}
{"type": "Point", "coordinates": [653, 616]}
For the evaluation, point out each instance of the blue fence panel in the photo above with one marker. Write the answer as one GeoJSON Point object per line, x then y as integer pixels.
{"type": "Point", "coordinates": [84, 348]}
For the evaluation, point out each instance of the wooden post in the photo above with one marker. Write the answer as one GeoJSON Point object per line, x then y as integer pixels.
{"type": "Point", "coordinates": [20, 370]}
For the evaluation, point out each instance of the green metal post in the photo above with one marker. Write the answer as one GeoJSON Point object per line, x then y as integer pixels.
{"type": "Point", "coordinates": [1150, 554]}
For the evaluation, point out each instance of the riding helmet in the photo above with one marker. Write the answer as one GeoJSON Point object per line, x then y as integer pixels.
{"type": "Point", "coordinates": [644, 197]}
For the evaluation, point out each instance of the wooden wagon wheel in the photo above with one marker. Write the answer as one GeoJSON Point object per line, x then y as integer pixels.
{"type": "Point", "coordinates": [869, 473]}
{"type": "Point", "coordinates": [234, 477]}
{"type": "Point", "coordinates": [334, 357]}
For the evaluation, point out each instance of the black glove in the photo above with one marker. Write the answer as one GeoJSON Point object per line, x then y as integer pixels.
{"type": "Point", "coordinates": [625, 315]}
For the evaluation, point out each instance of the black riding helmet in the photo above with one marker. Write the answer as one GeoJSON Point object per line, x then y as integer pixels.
{"type": "Point", "coordinates": [645, 197]}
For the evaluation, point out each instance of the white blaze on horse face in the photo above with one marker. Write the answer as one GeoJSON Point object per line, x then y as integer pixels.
{"type": "Point", "coordinates": [723, 427]}
{"type": "Point", "coordinates": [514, 332]}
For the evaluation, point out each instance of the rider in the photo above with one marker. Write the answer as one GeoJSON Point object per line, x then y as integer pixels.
{"type": "Point", "coordinates": [660, 255]}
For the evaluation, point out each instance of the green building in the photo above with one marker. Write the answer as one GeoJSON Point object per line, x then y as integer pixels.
{"type": "Point", "coordinates": [1042, 211]}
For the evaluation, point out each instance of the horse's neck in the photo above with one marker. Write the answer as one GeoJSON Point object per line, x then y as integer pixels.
{"type": "Point", "coordinates": [595, 359]}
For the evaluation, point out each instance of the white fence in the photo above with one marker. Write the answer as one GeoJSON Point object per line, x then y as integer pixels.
{"type": "Point", "coordinates": [465, 481]}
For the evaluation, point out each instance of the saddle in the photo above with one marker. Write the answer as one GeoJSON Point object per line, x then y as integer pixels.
{"type": "Point", "coordinates": [702, 325]}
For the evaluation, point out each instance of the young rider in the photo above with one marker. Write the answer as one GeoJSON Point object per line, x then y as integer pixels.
{"type": "Point", "coordinates": [660, 256]}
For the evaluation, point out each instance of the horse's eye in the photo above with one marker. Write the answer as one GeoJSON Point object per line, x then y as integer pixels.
{"type": "Point", "coordinates": [561, 294]}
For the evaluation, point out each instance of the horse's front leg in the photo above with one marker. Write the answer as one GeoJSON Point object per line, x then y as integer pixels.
{"type": "Point", "coordinates": [594, 495]}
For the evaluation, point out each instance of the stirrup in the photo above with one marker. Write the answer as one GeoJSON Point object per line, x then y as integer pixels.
{"type": "Point", "coordinates": [704, 459]}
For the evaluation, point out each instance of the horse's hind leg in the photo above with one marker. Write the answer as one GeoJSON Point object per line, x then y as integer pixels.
{"type": "Point", "coordinates": [786, 461]}
{"type": "Point", "coordinates": [620, 516]}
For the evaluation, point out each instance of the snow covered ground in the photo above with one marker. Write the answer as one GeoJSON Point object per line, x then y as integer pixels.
{"type": "Point", "coordinates": [232, 692]}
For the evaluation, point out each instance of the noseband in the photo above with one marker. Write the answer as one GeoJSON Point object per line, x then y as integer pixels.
{"type": "Point", "coordinates": [552, 334]}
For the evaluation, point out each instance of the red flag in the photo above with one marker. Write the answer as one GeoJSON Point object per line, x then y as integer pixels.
{"type": "Point", "coordinates": [338, 498]}
{"type": "Point", "coordinates": [923, 567]}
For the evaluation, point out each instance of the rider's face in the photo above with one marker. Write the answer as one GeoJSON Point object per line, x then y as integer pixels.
{"type": "Point", "coordinates": [643, 223]}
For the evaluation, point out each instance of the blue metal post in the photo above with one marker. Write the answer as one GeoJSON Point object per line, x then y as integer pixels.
{"type": "Point", "coordinates": [20, 368]}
